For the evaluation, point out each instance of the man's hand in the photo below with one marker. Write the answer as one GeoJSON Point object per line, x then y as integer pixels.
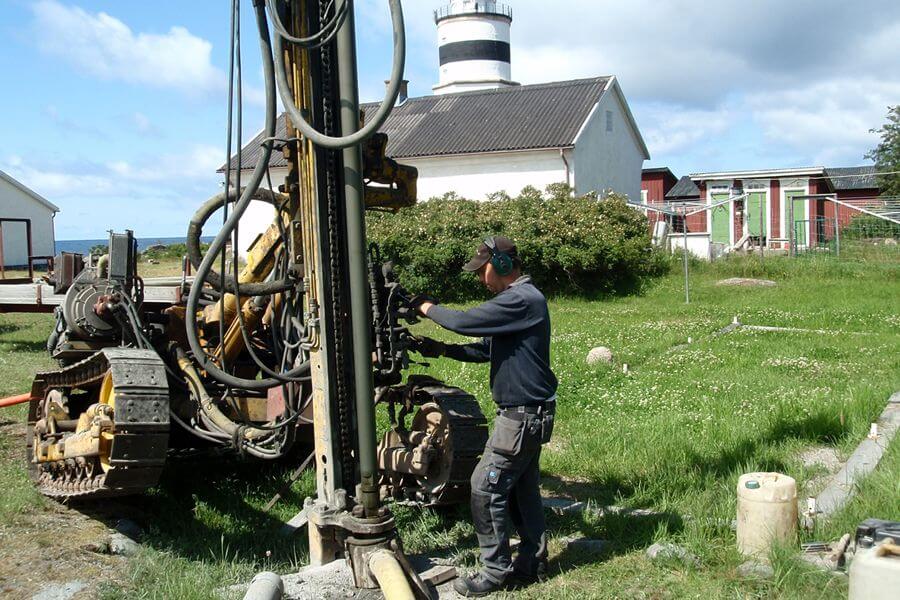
{"type": "Point", "coordinates": [428, 347]}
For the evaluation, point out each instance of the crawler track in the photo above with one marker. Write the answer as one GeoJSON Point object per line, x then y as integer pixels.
{"type": "Point", "coordinates": [141, 425]}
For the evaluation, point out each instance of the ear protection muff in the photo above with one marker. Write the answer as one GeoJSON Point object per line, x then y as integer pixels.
{"type": "Point", "coordinates": [503, 262]}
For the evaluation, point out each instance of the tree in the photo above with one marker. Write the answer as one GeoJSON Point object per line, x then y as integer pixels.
{"type": "Point", "coordinates": [887, 154]}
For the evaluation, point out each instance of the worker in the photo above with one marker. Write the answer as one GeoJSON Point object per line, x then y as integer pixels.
{"type": "Point", "coordinates": [514, 327]}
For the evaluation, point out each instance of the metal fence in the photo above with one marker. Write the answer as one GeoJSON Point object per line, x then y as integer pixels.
{"type": "Point", "coordinates": [864, 237]}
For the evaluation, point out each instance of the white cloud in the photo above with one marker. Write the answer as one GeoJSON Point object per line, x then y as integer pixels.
{"type": "Point", "coordinates": [829, 119]}
{"type": "Point", "coordinates": [669, 129]}
{"type": "Point", "coordinates": [154, 195]}
{"type": "Point", "coordinates": [105, 47]}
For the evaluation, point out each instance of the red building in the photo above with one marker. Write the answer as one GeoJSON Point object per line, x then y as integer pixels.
{"type": "Point", "coordinates": [655, 184]}
{"type": "Point", "coordinates": [769, 200]}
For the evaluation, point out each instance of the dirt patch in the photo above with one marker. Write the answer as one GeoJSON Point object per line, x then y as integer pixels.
{"type": "Point", "coordinates": [747, 282]}
{"type": "Point", "coordinates": [47, 548]}
{"type": "Point", "coordinates": [825, 462]}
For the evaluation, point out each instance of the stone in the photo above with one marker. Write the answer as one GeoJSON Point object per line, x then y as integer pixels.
{"type": "Point", "coordinates": [122, 545]}
{"type": "Point", "coordinates": [129, 528]}
{"type": "Point", "coordinates": [589, 546]}
{"type": "Point", "coordinates": [99, 547]}
{"type": "Point", "coordinates": [746, 282]}
{"type": "Point", "coordinates": [820, 561]}
{"type": "Point", "coordinates": [672, 552]}
{"type": "Point", "coordinates": [755, 570]}
{"type": "Point", "coordinates": [890, 242]}
{"type": "Point", "coordinates": [60, 591]}
{"type": "Point", "coordinates": [438, 574]}
{"type": "Point", "coordinates": [600, 355]}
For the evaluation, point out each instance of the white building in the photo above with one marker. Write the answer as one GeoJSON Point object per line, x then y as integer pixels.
{"type": "Point", "coordinates": [22, 204]}
{"type": "Point", "coordinates": [483, 133]}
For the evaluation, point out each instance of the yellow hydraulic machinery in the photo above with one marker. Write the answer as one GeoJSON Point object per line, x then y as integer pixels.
{"type": "Point", "coordinates": [300, 338]}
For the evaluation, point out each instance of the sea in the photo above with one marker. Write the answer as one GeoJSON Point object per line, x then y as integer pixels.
{"type": "Point", "coordinates": [84, 246]}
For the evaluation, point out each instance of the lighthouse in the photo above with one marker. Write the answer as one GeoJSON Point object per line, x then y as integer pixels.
{"type": "Point", "coordinates": [473, 42]}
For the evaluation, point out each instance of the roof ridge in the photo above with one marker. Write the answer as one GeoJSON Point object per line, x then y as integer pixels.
{"type": "Point", "coordinates": [509, 89]}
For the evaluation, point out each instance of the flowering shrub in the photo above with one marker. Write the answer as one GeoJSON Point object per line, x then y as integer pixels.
{"type": "Point", "coordinates": [567, 244]}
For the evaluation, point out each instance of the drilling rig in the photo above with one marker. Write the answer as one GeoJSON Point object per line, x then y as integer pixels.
{"type": "Point", "coordinates": [306, 338]}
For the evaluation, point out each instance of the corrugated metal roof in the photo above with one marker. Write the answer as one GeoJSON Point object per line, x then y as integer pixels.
{"type": "Point", "coordinates": [528, 117]}
{"type": "Point", "coordinates": [853, 178]}
{"type": "Point", "coordinates": [684, 189]}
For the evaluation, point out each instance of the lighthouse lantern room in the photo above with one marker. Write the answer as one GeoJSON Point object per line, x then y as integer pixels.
{"type": "Point", "coordinates": [473, 42]}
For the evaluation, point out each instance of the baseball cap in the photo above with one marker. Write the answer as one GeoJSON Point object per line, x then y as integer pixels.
{"type": "Point", "coordinates": [483, 253]}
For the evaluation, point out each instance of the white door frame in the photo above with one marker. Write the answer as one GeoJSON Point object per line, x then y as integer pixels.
{"type": "Point", "coordinates": [797, 184]}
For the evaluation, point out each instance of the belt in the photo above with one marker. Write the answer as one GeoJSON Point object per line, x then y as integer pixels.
{"type": "Point", "coordinates": [531, 409]}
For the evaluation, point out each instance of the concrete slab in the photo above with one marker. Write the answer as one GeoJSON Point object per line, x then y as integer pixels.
{"type": "Point", "coordinates": [862, 462]}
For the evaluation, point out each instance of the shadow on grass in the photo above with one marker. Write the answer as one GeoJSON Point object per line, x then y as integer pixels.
{"type": "Point", "coordinates": [621, 532]}
{"type": "Point", "coordinates": [208, 509]}
{"type": "Point", "coordinates": [819, 428]}
{"type": "Point", "coordinates": [9, 328]}
{"type": "Point", "coordinates": [24, 346]}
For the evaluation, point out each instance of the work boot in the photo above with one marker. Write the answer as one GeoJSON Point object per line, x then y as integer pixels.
{"type": "Point", "coordinates": [475, 586]}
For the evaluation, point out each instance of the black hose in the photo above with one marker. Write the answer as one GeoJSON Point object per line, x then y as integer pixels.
{"type": "Point", "coordinates": [195, 254]}
{"type": "Point", "coordinates": [299, 121]}
{"type": "Point", "coordinates": [203, 270]}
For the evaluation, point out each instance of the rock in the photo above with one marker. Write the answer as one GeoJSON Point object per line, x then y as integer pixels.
{"type": "Point", "coordinates": [819, 561]}
{"type": "Point", "coordinates": [755, 570]}
{"type": "Point", "coordinates": [890, 242]}
{"type": "Point", "coordinates": [438, 574]}
{"type": "Point", "coordinates": [672, 552]}
{"type": "Point", "coordinates": [564, 506]}
{"type": "Point", "coordinates": [598, 355]}
{"type": "Point", "coordinates": [101, 547]}
{"type": "Point", "coordinates": [129, 528]}
{"type": "Point", "coordinates": [588, 545]}
{"type": "Point", "coordinates": [747, 282]}
{"type": "Point", "coordinates": [122, 545]}
{"type": "Point", "coordinates": [60, 591]}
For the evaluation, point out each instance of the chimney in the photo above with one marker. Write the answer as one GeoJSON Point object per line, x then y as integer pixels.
{"type": "Point", "coordinates": [403, 96]}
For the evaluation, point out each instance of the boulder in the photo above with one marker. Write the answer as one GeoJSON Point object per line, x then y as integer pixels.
{"type": "Point", "coordinates": [600, 355]}
{"type": "Point", "coordinates": [672, 552]}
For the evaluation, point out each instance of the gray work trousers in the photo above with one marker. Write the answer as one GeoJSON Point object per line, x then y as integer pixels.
{"type": "Point", "coordinates": [506, 491]}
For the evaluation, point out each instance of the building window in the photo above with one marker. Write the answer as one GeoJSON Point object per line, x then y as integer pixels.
{"type": "Point", "coordinates": [609, 120]}
{"type": "Point", "coordinates": [678, 224]}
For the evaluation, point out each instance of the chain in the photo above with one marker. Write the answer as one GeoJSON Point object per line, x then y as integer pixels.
{"type": "Point", "coordinates": [336, 255]}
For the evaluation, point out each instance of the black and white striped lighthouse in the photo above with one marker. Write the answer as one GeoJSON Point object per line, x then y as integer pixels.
{"type": "Point", "coordinates": [473, 40]}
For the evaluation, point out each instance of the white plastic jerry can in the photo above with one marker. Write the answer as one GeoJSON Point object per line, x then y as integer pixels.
{"type": "Point", "coordinates": [766, 512]}
{"type": "Point", "coordinates": [875, 573]}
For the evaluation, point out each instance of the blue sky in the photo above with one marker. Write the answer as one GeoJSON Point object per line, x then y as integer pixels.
{"type": "Point", "coordinates": [115, 111]}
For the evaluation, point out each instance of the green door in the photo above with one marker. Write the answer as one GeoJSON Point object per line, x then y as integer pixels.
{"type": "Point", "coordinates": [756, 213]}
{"type": "Point", "coordinates": [720, 221]}
{"type": "Point", "coordinates": [800, 221]}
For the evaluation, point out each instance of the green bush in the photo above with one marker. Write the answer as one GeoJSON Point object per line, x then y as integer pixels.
{"type": "Point", "coordinates": [567, 244]}
{"type": "Point", "coordinates": [865, 226]}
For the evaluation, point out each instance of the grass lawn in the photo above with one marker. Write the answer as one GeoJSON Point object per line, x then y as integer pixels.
{"type": "Point", "coordinates": [671, 435]}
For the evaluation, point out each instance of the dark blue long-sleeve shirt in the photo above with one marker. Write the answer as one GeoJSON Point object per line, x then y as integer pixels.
{"type": "Point", "coordinates": [515, 329]}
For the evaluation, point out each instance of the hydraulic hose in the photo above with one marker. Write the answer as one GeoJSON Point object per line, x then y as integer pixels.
{"type": "Point", "coordinates": [390, 576]}
{"type": "Point", "coordinates": [239, 208]}
{"type": "Point", "coordinates": [393, 90]}
{"type": "Point", "coordinates": [195, 255]}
